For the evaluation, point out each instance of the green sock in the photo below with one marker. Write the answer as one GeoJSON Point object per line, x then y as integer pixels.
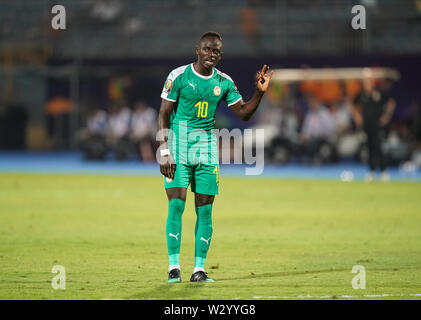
{"type": "Point", "coordinates": [173, 230]}
{"type": "Point", "coordinates": [203, 234]}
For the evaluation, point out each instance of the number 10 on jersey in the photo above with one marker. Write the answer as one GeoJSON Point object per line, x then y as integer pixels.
{"type": "Point", "coordinates": [202, 110]}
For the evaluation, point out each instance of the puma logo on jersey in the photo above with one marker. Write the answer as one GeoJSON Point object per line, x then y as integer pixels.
{"type": "Point", "coordinates": [174, 236]}
{"type": "Point", "coordinates": [203, 239]}
{"type": "Point", "coordinates": [193, 85]}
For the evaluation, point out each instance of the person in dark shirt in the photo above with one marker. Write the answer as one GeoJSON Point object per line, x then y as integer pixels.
{"type": "Point", "coordinates": [372, 110]}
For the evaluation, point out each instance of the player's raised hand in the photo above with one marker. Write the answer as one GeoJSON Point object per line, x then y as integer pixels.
{"type": "Point", "coordinates": [263, 78]}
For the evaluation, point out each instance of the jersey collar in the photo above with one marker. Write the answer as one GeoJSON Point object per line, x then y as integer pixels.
{"type": "Point", "coordinates": [202, 76]}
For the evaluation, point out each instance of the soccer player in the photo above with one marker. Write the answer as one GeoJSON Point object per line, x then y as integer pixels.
{"type": "Point", "coordinates": [190, 97]}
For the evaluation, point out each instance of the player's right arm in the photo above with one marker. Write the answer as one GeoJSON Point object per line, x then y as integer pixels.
{"type": "Point", "coordinates": [167, 163]}
{"type": "Point", "coordinates": [169, 95]}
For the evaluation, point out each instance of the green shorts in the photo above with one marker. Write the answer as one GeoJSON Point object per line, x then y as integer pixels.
{"type": "Point", "coordinates": [204, 178]}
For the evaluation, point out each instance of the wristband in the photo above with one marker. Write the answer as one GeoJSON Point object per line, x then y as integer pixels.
{"type": "Point", "coordinates": [165, 152]}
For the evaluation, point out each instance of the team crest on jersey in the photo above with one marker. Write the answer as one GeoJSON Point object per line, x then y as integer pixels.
{"type": "Point", "coordinates": [217, 91]}
{"type": "Point", "coordinates": [168, 85]}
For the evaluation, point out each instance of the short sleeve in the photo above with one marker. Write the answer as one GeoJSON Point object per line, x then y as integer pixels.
{"type": "Point", "coordinates": [171, 89]}
{"type": "Point", "coordinates": [232, 96]}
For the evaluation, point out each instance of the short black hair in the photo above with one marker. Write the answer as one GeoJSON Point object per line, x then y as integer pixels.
{"type": "Point", "coordinates": [211, 34]}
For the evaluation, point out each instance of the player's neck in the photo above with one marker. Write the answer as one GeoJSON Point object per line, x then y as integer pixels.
{"type": "Point", "coordinates": [202, 70]}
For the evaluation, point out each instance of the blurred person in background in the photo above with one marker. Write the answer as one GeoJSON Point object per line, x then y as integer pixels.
{"type": "Point", "coordinates": [347, 141]}
{"type": "Point", "coordinates": [92, 139]}
{"type": "Point", "coordinates": [352, 88]}
{"type": "Point", "coordinates": [143, 130]}
{"type": "Point", "coordinates": [270, 114]}
{"type": "Point", "coordinates": [118, 130]}
{"type": "Point", "coordinates": [341, 117]}
{"type": "Point", "coordinates": [372, 110]}
{"type": "Point", "coordinates": [316, 132]}
{"type": "Point", "coordinates": [96, 122]}
{"type": "Point", "coordinates": [331, 91]}
{"type": "Point", "coordinates": [279, 121]}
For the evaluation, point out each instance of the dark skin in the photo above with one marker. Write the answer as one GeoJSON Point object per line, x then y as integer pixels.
{"type": "Point", "coordinates": [209, 53]}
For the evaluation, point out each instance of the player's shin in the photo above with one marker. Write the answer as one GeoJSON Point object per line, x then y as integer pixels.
{"type": "Point", "coordinates": [203, 234]}
{"type": "Point", "coordinates": [173, 231]}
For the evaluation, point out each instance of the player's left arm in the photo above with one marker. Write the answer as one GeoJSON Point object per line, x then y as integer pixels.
{"type": "Point", "coordinates": [387, 115]}
{"type": "Point", "coordinates": [244, 110]}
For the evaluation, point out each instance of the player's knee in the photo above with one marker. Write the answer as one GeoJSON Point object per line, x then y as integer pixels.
{"type": "Point", "coordinates": [177, 206]}
{"type": "Point", "coordinates": [204, 213]}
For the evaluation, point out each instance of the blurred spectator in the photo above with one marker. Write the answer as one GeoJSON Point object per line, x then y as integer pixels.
{"type": "Point", "coordinates": [276, 115]}
{"type": "Point", "coordinates": [96, 122]}
{"type": "Point", "coordinates": [118, 130]}
{"type": "Point", "coordinates": [330, 92]}
{"type": "Point", "coordinates": [341, 118]}
{"type": "Point", "coordinates": [347, 141]}
{"type": "Point", "coordinates": [318, 123]}
{"type": "Point", "coordinates": [92, 140]}
{"type": "Point", "coordinates": [309, 86]}
{"type": "Point", "coordinates": [270, 114]}
{"type": "Point", "coordinates": [373, 110]}
{"type": "Point", "coordinates": [268, 118]}
{"type": "Point", "coordinates": [118, 123]}
{"type": "Point", "coordinates": [318, 128]}
{"type": "Point", "coordinates": [144, 130]}
{"type": "Point", "coordinates": [352, 88]}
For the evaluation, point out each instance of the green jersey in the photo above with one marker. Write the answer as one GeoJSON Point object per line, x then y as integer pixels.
{"type": "Point", "coordinates": [197, 97]}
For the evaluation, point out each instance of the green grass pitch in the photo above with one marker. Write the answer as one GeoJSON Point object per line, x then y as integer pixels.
{"type": "Point", "coordinates": [273, 239]}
